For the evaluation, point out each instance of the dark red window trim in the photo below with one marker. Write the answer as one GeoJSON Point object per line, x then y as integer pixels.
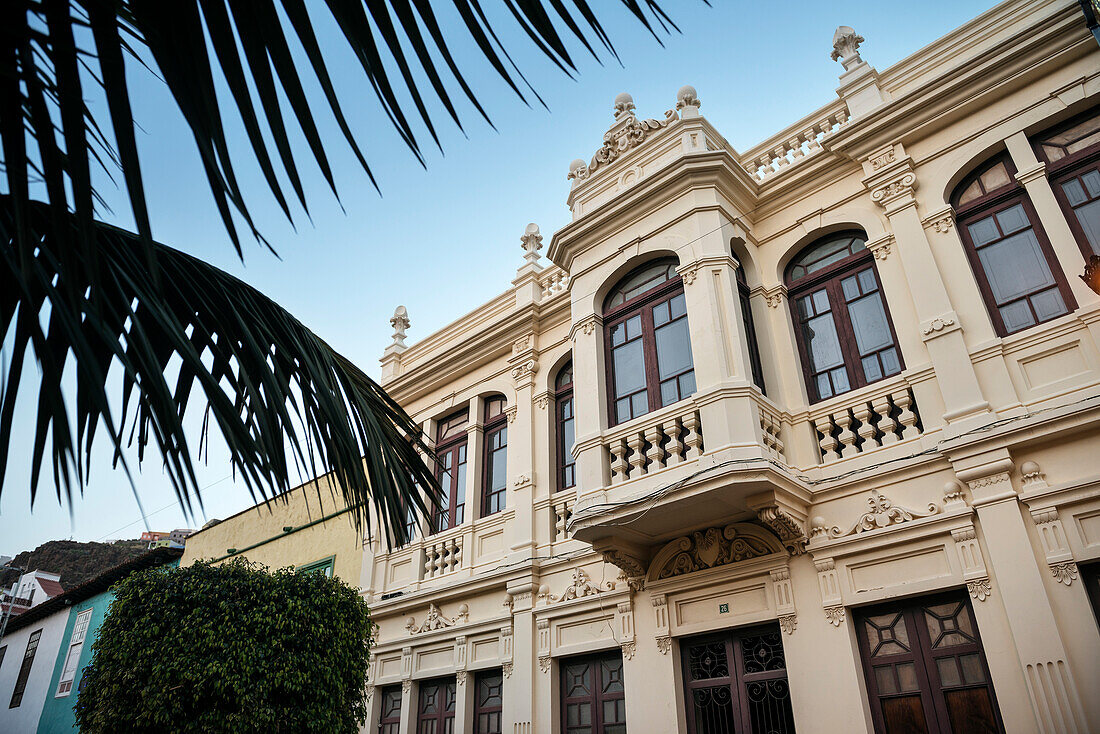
{"type": "Point", "coordinates": [390, 724]}
{"type": "Point", "coordinates": [496, 428]}
{"type": "Point", "coordinates": [597, 698]}
{"type": "Point", "coordinates": [750, 330]}
{"type": "Point", "coordinates": [1090, 577]}
{"type": "Point", "coordinates": [563, 399]}
{"type": "Point", "coordinates": [737, 682]}
{"type": "Point", "coordinates": [1071, 166]}
{"type": "Point", "coordinates": [990, 203]}
{"type": "Point", "coordinates": [25, 669]}
{"type": "Point", "coordinates": [641, 305]}
{"type": "Point", "coordinates": [456, 447]}
{"type": "Point", "coordinates": [491, 715]}
{"type": "Point", "coordinates": [443, 717]}
{"type": "Point", "coordinates": [924, 656]}
{"type": "Point", "coordinates": [829, 278]}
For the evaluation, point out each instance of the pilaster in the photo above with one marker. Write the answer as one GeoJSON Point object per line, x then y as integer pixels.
{"type": "Point", "coordinates": [1055, 699]}
{"type": "Point", "coordinates": [650, 659]}
{"type": "Point", "coordinates": [523, 684]}
{"type": "Point", "coordinates": [521, 448]}
{"type": "Point", "coordinates": [590, 393]}
{"type": "Point", "coordinates": [892, 181]}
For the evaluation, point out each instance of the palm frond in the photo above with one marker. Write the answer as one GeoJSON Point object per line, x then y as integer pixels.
{"type": "Point", "coordinates": [264, 377]}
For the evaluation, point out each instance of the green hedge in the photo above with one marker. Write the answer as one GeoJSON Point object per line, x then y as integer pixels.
{"type": "Point", "coordinates": [230, 648]}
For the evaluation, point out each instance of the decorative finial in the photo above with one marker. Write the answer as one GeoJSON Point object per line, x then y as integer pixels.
{"type": "Point", "coordinates": [687, 97]}
{"type": "Point", "coordinates": [624, 104]}
{"type": "Point", "coordinates": [400, 322]}
{"type": "Point", "coordinates": [577, 170]}
{"type": "Point", "coordinates": [532, 243]}
{"type": "Point", "coordinates": [846, 46]}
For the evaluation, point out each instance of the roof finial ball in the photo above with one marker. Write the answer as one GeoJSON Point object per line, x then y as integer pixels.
{"type": "Point", "coordinates": [687, 100]}
{"type": "Point", "coordinates": [532, 243]}
{"type": "Point", "coordinates": [846, 47]}
{"type": "Point", "coordinates": [624, 104]}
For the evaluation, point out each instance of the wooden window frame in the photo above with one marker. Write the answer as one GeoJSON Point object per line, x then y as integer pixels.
{"type": "Point", "coordinates": [1071, 166]}
{"type": "Point", "coordinates": [442, 715]}
{"type": "Point", "coordinates": [737, 681]}
{"type": "Point", "coordinates": [452, 445]}
{"type": "Point", "coordinates": [24, 673]}
{"type": "Point", "coordinates": [479, 709]}
{"type": "Point", "coordinates": [76, 644]}
{"type": "Point", "coordinates": [924, 657]}
{"type": "Point", "coordinates": [495, 426]}
{"type": "Point", "coordinates": [829, 278]}
{"type": "Point", "coordinates": [749, 324]}
{"type": "Point", "coordinates": [641, 305]}
{"type": "Point", "coordinates": [391, 724]}
{"type": "Point", "coordinates": [563, 393]}
{"type": "Point", "coordinates": [320, 565]}
{"type": "Point", "coordinates": [991, 203]}
{"type": "Point", "coordinates": [597, 697]}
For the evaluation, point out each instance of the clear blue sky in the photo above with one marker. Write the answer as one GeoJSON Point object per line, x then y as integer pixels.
{"type": "Point", "coordinates": [444, 239]}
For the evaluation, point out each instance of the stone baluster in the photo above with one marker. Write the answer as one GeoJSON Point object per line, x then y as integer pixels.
{"type": "Point", "coordinates": [866, 430]}
{"type": "Point", "coordinates": [655, 453]}
{"type": "Point", "coordinates": [847, 436]}
{"type": "Point", "coordinates": [692, 437]}
{"type": "Point", "coordinates": [828, 444]}
{"type": "Point", "coordinates": [886, 425]}
{"type": "Point", "coordinates": [907, 417]}
{"type": "Point", "coordinates": [618, 461]}
{"type": "Point", "coordinates": [637, 459]}
{"type": "Point", "coordinates": [674, 446]}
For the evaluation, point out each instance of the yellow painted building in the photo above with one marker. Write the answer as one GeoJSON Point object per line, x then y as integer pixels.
{"type": "Point", "coordinates": [311, 528]}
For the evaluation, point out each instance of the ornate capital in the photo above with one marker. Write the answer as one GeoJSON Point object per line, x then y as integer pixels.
{"type": "Point", "coordinates": [880, 247]}
{"type": "Point", "coordinates": [846, 46]}
{"type": "Point", "coordinates": [544, 663]}
{"type": "Point", "coordinates": [789, 622]}
{"type": "Point", "coordinates": [525, 371]}
{"type": "Point", "coordinates": [1065, 572]}
{"type": "Point", "coordinates": [774, 296]}
{"type": "Point", "coordinates": [980, 589]}
{"type": "Point", "coordinates": [834, 615]}
{"type": "Point", "coordinates": [628, 650]}
{"type": "Point", "coordinates": [664, 644]}
{"type": "Point", "coordinates": [511, 412]}
{"type": "Point", "coordinates": [688, 272]}
{"type": "Point", "coordinates": [891, 191]}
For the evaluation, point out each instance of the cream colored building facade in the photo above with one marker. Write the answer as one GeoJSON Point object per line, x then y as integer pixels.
{"type": "Point", "coordinates": [835, 553]}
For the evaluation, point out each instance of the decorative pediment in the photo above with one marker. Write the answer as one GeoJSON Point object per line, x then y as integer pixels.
{"type": "Point", "coordinates": [436, 621]}
{"type": "Point", "coordinates": [712, 547]}
{"type": "Point", "coordinates": [627, 132]}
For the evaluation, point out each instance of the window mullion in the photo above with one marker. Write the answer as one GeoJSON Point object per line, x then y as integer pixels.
{"type": "Point", "coordinates": [849, 348]}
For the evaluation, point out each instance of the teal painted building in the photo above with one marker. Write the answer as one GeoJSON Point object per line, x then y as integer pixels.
{"type": "Point", "coordinates": [86, 606]}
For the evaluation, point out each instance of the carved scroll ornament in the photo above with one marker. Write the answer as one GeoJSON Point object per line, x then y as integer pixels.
{"type": "Point", "coordinates": [436, 621]}
{"type": "Point", "coordinates": [883, 513]}
{"type": "Point", "coordinates": [713, 547]}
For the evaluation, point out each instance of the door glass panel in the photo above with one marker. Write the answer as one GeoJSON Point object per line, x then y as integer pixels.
{"type": "Point", "coordinates": [949, 624]}
{"type": "Point", "coordinates": [884, 678]}
{"type": "Point", "coordinates": [907, 677]}
{"type": "Point", "coordinates": [972, 670]}
{"type": "Point", "coordinates": [713, 709]}
{"type": "Point", "coordinates": [769, 703]}
{"type": "Point", "coordinates": [949, 672]}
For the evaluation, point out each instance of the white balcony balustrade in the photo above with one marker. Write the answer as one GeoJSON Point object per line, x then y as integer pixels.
{"type": "Point", "coordinates": [655, 441]}
{"type": "Point", "coordinates": [442, 556]}
{"type": "Point", "coordinates": [866, 422]}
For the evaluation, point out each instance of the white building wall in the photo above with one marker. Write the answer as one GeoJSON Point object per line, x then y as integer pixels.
{"type": "Point", "coordinates": [24, 718]}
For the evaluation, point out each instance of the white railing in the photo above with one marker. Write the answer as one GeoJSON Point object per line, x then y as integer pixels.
{"type": "Point", "coordinates": [442, 556]}
{"type": "Point", "coordinates": [669, 438]}
{"type": "Point", "coordinates": [801, 140]}
{"type": "Point", "coordinates": [553, 282]}
{"type": "Point", "coordinates": [867, 423]}
{"type": "Point", "coordinates": [561, 512]}
{"type": "Point", "coordinates": [771, 427]}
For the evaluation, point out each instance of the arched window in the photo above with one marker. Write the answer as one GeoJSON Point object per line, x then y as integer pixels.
{"type": "Point", "coordinates": [750, 330]}
{"type": "Point", "coordinates": [564, 428]}
{"type": "Point", "coordinates": [1072, 154]}
{"type": "Point", "coordinates": [842, 323]}
{"type": "Point", "coordinates": [1009, 253]}
{"type": "Point", "coordinates": [494, 478]}
{"type": "Point", "coordinates": [648, 346]}
{"type": "Point", "coordinates": [450, 469]}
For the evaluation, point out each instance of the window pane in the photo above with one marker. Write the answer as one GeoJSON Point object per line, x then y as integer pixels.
{"type": "Point", "coordinates": [867, 281]}
{"type": "Point", "coordinates": [995, 178]}
{"type": "Point", "coordinates": [840, 379]}
{"type": "Point", "coordinates": [1012, 219]}
{"type": "Point", "coordinates": [824, 387]}
{"type": "Point", "coordinates": [640, 403]}
{"type": "Point", "coordinates": [891, 365]}
{"type": "Point", "coordinates": [972, 668]}
{"type": "Point", "coordinates": [687, 384]}
{"type": "Point", "coordinates": [821, 301]}
{"type": "Point", "coordinates": [629, 363]}
{"type": "Point", "coordinates": [1092, 182]}
{"type": "Point", "coordinates": [1015, 266]}
{"type": "Point", "coordinates": [622, 410]}
{"type": "Point", "coordinates": [823, 343]}
{"type": "Point", "coordinates": [633, 327]}
{"type": "Point", "coordinates": [669, 392]}
{"type": "Point", "coordinates": [983, 231]}
{"type": "Point", "coordinates": [1048, 304]}
{"type": "Point", "coordinates": [1016, 316]}
{"type": "Point", "coordinates": [679, 306]}
{"type": "Point", "coordinates": [1075, 192]}
{"type": "Point", "coordinates": [500, 469]}
{"type": "Point", "coordinates": [907, 677]}
{"type": "Point", "coordinates": [869, 323]}
{"type": "Point", "coordinates": [660, 314]}
{"type": "Point", "coordinates": [871, 370]}
{"type": "Point", "coordinates": [949, 672]}
{"type": "Point", "coordinates": [1089, 217]}
{"type": "Point", "coordinates": [884, 679]}
{"type": "Point", "coordinates": [673, 349]}
{"type": "Point", "coordinates": [618, 334]}
{"type": "Point", "coordinates": [850, 288]}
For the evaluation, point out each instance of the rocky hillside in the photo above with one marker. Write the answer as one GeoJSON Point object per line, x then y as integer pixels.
{"type": "Point", "coordinates": [75, 562]}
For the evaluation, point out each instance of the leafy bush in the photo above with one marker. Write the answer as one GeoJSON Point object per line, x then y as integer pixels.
{"type": "Point", "coordinates": [229, 648]}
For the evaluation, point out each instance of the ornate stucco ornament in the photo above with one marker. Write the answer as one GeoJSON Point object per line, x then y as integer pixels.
{"type": "Point", "coordinates": [711, 547]}
{"type": "Point", "coordinates": [883, 513]}
{"type": "Point", "coordinates": [581, 587]}
{"type": "Point", "coordinates": [627, 132]}
{"type": "Point", "coordinates": [436, 621]}
{"type": "Point", "coordinates": [846, 46]}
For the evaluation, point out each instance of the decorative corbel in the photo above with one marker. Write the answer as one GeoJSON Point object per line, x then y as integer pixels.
{"type": "Point", "coordinates": [972, 562]}
{"type": "Point", "coordinates": [1055, 546]}
{"type": "Point", "coordinates": [660, 617]}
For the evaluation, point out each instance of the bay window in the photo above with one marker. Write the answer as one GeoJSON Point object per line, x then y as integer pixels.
{"type": "Point", "coordinates": [495, 472]}
{"type": "Point", "coordinates": [648, 344]}
{"type": "Point", "coordinates": [1071, 152]}
{"type": "Point", "coordinates": [450, 470]}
